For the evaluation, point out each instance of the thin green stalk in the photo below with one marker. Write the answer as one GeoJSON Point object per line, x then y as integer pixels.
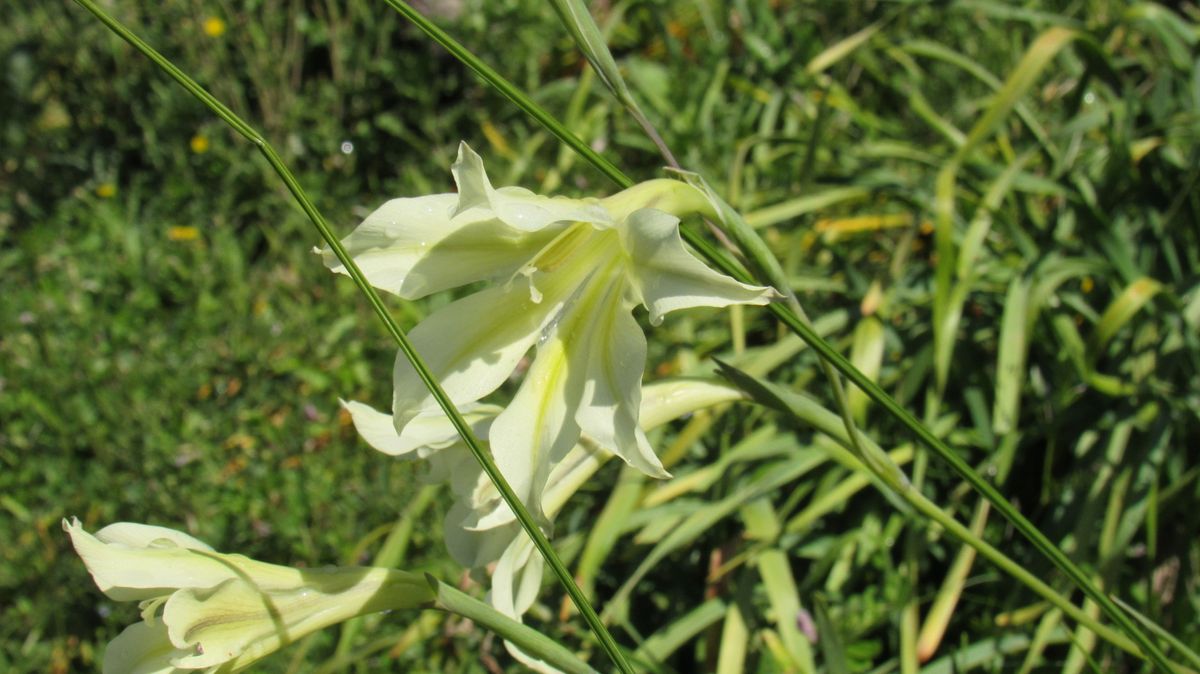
{"type": "Point", "coordinates": [962, 533]}
{"type": "Point", "coordinates": [489, 467]}
{"type": "Point", "coordinates": [823, 349]}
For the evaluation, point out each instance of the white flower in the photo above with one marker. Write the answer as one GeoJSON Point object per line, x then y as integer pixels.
{"type": "Point", "coordinates": [517, 575]}
{"type": "Point", "coordinates": [480, 530]}
{"type": "Point", "coordinates": [570, 272]}
{"type": "Point", "coordinates": [221, 610]}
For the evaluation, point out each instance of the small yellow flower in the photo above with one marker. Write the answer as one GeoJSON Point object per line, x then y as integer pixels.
{"type": "Point", "coordinates": [214, 27]}
{"type": "Point", "coordinates": [183, 233]}
{"type": "Point", "coordinates": [106, 190]}
{"type": "Point", "coordinates": [199, 144]}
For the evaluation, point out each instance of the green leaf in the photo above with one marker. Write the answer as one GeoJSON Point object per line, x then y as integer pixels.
{"type": "Point", "coordinates": [784, 598]}
{"type": "Point", "coordinates": [669, 639]}
{"type": "Point", "coordinates": [1010, 361]}
{"type": "Point", "coordinates": [866, 354]}
{"type": "Point", "coordinates": [1120, 311]}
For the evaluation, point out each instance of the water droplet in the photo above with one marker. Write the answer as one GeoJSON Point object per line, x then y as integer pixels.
{"type": "Point", "coordinates": [347, 147]}
{"type": "Point", "coordinates": [550, 329]}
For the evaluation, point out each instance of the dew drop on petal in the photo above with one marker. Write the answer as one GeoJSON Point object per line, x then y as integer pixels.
{"type": "Point", "coordinates": [550, 329]}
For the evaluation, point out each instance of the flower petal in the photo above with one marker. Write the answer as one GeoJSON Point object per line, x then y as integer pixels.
{"type": "Point", "coordinates": [668, 277]}
{"type": "Point", "coordinates": [515, 206]}
{"type": "Point", "coordinates": [470, 346]}
{"type": "Point", "coordinates": [238, 622]}
{"type": "Point", "coordinates": [517, 578]}
{"type": "Point", "coordinates": [125, 572]}
{"type": "Point", "coordinates": [137, 535]}
{"type": "Point", "coordinates": [536, 429]}
{"type": "Point", "coordinates": [423, 436]}
{"type": "Point", "coordinates": [571, 473]}
{"type": "Point", "coordinates": [612, 349]}
{"type": "Point", "coordinates": [413, 247]}
{"type": "Point", "coordinates": [155, 564]}
{"type": "Point", "coordinates": [476, 549]}
{"type": "Point", "coordinates": [663, 401]}
{"type": "Point", "coordinates": [142, 648]}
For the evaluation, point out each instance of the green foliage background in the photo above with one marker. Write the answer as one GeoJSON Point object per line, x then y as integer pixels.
{"type": "Point", "coordinates": [171, 352]}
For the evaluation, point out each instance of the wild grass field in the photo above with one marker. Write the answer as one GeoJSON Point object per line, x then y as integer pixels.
{"type": "Point", "coordinates": [1024, 278]}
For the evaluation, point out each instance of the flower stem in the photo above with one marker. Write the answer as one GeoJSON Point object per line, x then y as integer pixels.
{"type": "Point", "coordinates": [464, 430]}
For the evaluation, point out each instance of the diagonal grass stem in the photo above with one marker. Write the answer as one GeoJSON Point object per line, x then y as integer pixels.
{"type": "Point", "coordinates": [489, 466]}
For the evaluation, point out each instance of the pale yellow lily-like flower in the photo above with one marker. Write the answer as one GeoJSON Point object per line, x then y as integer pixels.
{"type": "Point", "coordinates": [220, 612]}
{"type": "Point", "coordinates": [569, 272]}
{"type": "Point", "coordinates": [518, 568]}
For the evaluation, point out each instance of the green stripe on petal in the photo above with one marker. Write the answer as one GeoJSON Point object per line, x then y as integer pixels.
{"type": "Point", "coordinates": [536, 429]}
{"type": "Point", "coordinates": [668, 277]}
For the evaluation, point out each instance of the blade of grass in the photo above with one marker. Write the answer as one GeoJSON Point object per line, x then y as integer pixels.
{"type": "Point", "coordinates": [947, 598]}
{"type": "Point", "coordinates": [1118, 313]}
{"type": "Point", "coordinates": [980, 653]}
{"type": "Point", "coordinates": [806, 410]}
{"type": "Point", "coordinates": [1048, 625]}
{"type": "Point", "coordinates": [784, 599]}
{"type": "Point", "coordinates": [1192, 656]}
{"type": "Point", "coordinates": [840, 49]}
{"type": "Point", "coordinates": [670, 638]}
{"type": "Point", "coordinates": [395, 644]}
{"type": "Point", "coordinates": [701, 521]}
{"type": "Point", "coordinates": [1010, 361]}
{"type": "Point", "coordinates": [833, 651]}
{"type": "Point", "coordinates": [622, 501]}
{"type": "Point", "coordinates": [793, 208]}
{"type": "Point", "coordinates": [866, 354]}
{"type": "Point", "coordinates": [731, 658]}
{"type": "Point", "coordinates": [575, 16]}
{"type": "Point", "coordinates": [945, 320]}
{"type": "Point", "coordinates": [464, 430]}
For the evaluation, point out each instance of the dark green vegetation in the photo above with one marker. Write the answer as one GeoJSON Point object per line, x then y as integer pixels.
{"type": "Point", "coordinates": [1047, 326]}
